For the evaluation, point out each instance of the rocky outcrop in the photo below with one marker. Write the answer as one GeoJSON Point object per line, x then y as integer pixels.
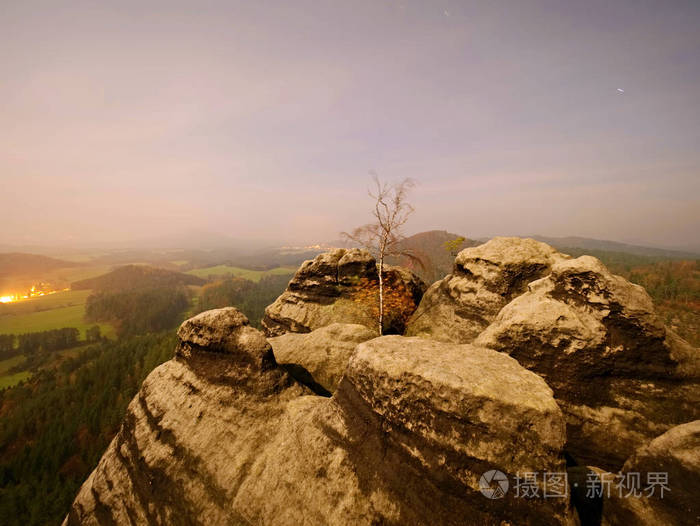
{"type": "Point", "coordinates": [673, 460]}
{"type": "Point", "coordinates": [658, 484]}
{"type": "Point", "coordinates": [485, 278]}
{"type": "Point", "coordinates": [341, 286]}
{"type": "Point", "coordinates": [451, 413]}
{"type": "Point", "coordinates": [619, 376]}
{"type": "Point", "coordinates": [524, 356]}
{"type": "Point", "coordinates": [202, 411]}
{"type": "Point", "coordinates": [319, 358]}
{"type": "Point", "coordinates": [222, 435]}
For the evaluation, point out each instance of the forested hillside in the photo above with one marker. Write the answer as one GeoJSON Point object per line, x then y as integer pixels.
{"type": "Point", "coordinates": [55, 427]}
{"type": "Point", "coordinates": [249, 297]}
{"type": "Point", "coordinates": [57, 423]}
{"type": "Point", "coordinates": [433, 253]}
{"type": "Point", "coordinates": [139, 311]}
{"type": "Point", "coordinates": [131, 277]}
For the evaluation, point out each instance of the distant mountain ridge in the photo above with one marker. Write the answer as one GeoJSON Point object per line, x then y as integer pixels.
{"type": "Point", "coordinates": [19, 263]}
{"type": "Point", "coordinates": [614, 246]}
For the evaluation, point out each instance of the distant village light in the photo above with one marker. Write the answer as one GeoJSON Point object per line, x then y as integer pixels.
{"type": "Point", "coordinates": [33, 293]}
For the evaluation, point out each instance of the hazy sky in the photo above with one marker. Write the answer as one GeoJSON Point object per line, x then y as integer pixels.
{"type": "Point", "coordinates": [261, 119]}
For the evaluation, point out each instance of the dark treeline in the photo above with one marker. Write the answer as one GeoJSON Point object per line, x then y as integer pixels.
{"type": "Point", "coordinates": [139, 311]}
{"type": "Point", "coordinates": [7, 345]}
{"type": "Point", "coordinates": [52, 340]}
{"type": "Point", "coordinates": [249, 297]}
{"type": "Point", "coordinates": [44, 341]}
{"type": "Point", "coordinates": [56, 426]}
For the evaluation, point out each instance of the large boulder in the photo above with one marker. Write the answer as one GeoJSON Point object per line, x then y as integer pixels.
{"type": "Point", "coordinates": [671, 460]}
{"type": "Point", "coordinates": [222, 435]}
{"type": "Point", "coordinates": [618, 374]}
{"type": "Point", "coordinates": [485, 278]}
{"type": "Point", "coordinates": [319, 358]}
{"type": "Point", "coordinates": [341, 286]}
{"type": "Point", "coordinates": [659, 484]}
{"type": "Point", "coordinates": [451, 414]}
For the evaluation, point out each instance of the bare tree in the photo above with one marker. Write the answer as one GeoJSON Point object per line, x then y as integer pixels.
{"type": "Point", "coordinates": [382, 237]}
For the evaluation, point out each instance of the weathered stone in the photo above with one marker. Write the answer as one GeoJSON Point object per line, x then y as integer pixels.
{"type": "Point", "coordinates": [437, 399]}
{"type": "Point", "coordinates": [485, 278]}
{"type": "Point", "coordinates": [323, 353]}
{"type": "Point", "coordinates": [341, 287]}
{"type": "Point", "coordinates": [658, 484]}
{"type": "Point", "coordinates": [404, 440]}
{"type": "Point", "coordinates": [228, 331]}
{"type": "Point", "coordinates": [620, 377]}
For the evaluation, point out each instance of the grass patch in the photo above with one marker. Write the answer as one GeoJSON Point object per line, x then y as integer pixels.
{"type": "Point", "coordinates": [8, 364]}
{"type": "Point", "coordinates": [10, 380]}
{"type": "Point", "coordinates": [71, 315]}
{"type": "Point", "coordinates": [238, 272]}
{"type": "Point", "coordinates": [68, 298]}
{"type": "Point", "coordinates": [70, 353]}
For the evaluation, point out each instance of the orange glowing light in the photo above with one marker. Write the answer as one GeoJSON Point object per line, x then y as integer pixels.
{"type": "Point", "coordinates": [34, 292]}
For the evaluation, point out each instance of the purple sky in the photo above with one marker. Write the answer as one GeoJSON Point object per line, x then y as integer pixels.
{"type": "Point", "coordinates": [130, 120]}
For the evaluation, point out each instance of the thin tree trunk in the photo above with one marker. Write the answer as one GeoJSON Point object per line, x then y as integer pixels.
{"type": "Point", "coordinates": [381, 293]}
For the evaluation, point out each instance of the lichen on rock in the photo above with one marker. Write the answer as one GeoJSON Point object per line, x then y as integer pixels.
{"type": "Point", "coordinates": [341, 286]}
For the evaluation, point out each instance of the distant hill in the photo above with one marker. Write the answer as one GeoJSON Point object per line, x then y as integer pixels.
{"type": "Point", "coordinates": [277, 257]}
{"type": "Point", "coordinates": [431, 248]}
{"type": "Point", "coordinates": [132, 277]}
{"type": "Point", "coordinates": [561, 243]}
{"type": "Point", "coordinates": [20, 264]}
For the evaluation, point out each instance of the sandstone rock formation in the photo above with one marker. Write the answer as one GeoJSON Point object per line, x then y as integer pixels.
{"type": "Point", "coordinates": [222, 435]}
{"type": "Point", "coordinates": [658, 484]}
{"type": "Point", "coordinates": [525, 356]}
{"type": "Point", "coordinates": [485, 278]}
{"type": "Point", "coordinates": [453, 413]}
{"type": "Point", "coordinates": [675, 456]}
{"type": "Point", "coordinates": [320, 356]}
{"type": "Point", "coordinates": [340, 287]}
{"type": "Point", "coordinates": [620, 377]}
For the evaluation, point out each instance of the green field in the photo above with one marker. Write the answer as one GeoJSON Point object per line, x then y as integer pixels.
{"type": "Point", "coordinates": [6, 365]}
{"type": "Point", "coordinates": [56, 311]}
{"type": "Point", "coordinates": [11, 380]}
{"type": "Point", "coordinates": [67, 298]}
{"type": "Point", "coordinates": [226, 270]}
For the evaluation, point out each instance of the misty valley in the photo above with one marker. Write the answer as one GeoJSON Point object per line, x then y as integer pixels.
{"type": "Point", "coordinates": [349, 263]}
{"type": "Point", "coordinates": [73, 358]}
